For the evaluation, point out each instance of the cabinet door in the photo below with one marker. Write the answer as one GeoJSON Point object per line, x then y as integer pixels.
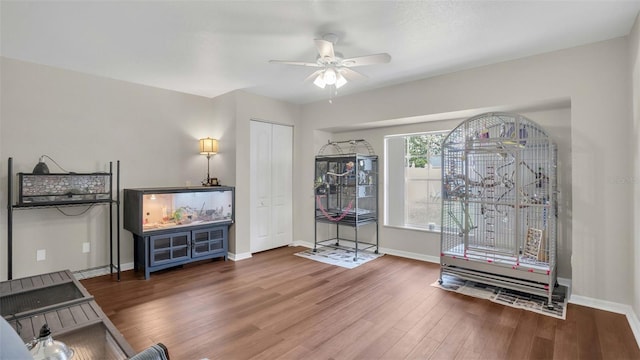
{"type": "Point", "coordinates": [209, 241]}
{"type": "Point", "coordinates": [168, 248]}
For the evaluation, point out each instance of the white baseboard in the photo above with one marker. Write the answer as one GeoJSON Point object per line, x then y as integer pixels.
{"type": "Point", "coordinates": [302, 243]}
{"type": "Point", "coordinates": [411, 255]}
{"type": "Point", "coordinates": [614, 307]}
{"type": "Point", "coordinates": [634, 322]}
{"type": "Point", "coordinates": [599, 304]}
{"type": "Point", "coordinates": [100, 270]}
{"type": "Point", "coordinates": [238, 257]}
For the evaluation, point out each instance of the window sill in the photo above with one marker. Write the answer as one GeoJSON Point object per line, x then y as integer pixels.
{"type": "Point", "coordinates": [413, 228]}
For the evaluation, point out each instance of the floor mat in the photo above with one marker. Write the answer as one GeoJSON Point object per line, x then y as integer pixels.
{"type": "Point", "coordinates": [339, 256]}
{"type": "Point", "coordinates": [508, 297]}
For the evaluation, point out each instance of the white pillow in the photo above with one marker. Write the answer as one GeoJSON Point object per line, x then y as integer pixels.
{"type": "Point", "coordinates": [11, 345]}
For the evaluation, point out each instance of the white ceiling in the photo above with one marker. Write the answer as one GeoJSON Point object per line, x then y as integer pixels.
{"type": "Point", "coordinates": [209, 48]}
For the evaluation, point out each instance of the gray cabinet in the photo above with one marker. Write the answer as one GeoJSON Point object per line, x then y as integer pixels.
{"type": "Point", "coordinates": [174, 248]}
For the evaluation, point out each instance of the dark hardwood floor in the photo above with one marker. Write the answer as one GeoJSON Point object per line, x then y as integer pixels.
{"type": "Point", "coordinates": [277, 305]}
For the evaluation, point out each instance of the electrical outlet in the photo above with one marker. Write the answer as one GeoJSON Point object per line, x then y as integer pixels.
{"type": "Point", "coordinates": [86, 247]}
{"type": "Point", "coordinates": [41, 255]}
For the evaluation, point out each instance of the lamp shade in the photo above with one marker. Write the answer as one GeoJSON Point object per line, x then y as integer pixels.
{"type": "Point", "coordinates": [208, 146]}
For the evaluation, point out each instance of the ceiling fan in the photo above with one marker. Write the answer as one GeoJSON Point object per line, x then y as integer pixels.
{"type": "Point", "coordinates": [334, 69]}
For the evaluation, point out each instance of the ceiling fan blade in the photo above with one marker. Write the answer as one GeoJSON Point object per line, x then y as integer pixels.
{"type": "Point", "coordinates": [298, 63]}
{"type": "Point", "coordinates": [367, 60]}
{"type": "Point", "coordinates": [314, 75]}
{"type": "Point", "coordinates": [351, 75]}
{"type": "Point", "coordinates": [325, 49]}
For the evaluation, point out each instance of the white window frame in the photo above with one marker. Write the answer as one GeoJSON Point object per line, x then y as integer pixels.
{"type": "Point", "coordinates": [396, 187]}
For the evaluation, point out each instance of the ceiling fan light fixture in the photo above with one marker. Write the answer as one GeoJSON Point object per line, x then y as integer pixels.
{"type": "Point", "coordinates": [330, 76]}
{"type": "Point", "coordinates": [319, 81]}
{"type": "Point", "coordinates": [340, 80]}
{"type": "Point", "coordinates": [331, 68]}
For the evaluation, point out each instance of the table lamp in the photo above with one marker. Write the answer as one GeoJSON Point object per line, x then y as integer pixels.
{"type": "Point", "coordinates": [208, 147]}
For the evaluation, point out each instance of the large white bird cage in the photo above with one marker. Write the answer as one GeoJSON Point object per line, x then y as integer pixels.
{"type": "Point", "coordinates": [499, 204]}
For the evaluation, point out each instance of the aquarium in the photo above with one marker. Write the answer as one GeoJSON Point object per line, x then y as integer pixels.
{"type": "Point", "coordinates": [39, 189]}
{"type": "Point", "coordinates": [153, 209]}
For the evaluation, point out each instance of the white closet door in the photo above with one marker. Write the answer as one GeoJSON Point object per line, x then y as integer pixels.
{"type": "Point", "coordinates": [271, 186]}
{"type": "Point", "coordinates": [260, 186]}
{"type": "Point", "coordinates": [281, 186]}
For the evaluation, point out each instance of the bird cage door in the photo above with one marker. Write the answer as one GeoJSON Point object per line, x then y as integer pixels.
{"type": "Point", "coordinates": [492, 225]}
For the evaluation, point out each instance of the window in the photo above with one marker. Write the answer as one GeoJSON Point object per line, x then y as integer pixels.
{"type": "Point", "coordinates": [413, 180]}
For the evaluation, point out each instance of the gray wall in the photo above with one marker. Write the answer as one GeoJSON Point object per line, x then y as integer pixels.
{"type": "Point", "coordinates": [83, 122]}
{"type": "Point", "coordinates": [593, 78]}
{"type": "Point", "coordinates": [634, 62]}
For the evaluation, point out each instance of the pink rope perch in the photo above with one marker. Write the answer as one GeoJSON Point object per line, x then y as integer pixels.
{"type": "Point", "coordinates": [328, 216]}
